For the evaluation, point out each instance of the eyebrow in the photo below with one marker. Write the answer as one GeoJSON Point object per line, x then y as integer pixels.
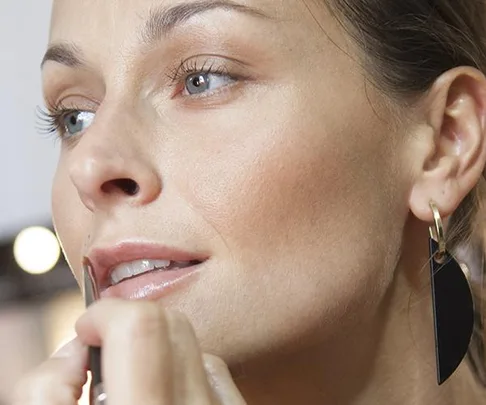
{"type": "Point", "coordinates": [160, 23]}
{"type": "Point", "coordinates": [66, 54]}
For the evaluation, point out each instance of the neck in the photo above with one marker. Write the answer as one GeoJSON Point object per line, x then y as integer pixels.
{"type": "Point", "coordinates": [389, 359]}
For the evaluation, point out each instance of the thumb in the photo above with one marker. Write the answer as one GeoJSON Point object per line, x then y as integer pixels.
{"type": "Point", "coordinates": [221, 381]}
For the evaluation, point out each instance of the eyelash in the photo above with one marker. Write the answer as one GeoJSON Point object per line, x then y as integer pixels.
{"type": "Point", "coordinates": [189, 67]}
{"type": "Point", "coordinates": [51, 118]}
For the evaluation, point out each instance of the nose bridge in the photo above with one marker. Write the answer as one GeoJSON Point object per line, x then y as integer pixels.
{"type": "Point", "coordinates": [110, 164]}
{"type": "Point", "coordinates": [113, 129]}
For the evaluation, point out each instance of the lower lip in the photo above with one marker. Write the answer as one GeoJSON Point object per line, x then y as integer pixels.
{"type": "Point", "coordinates": [152, 285]}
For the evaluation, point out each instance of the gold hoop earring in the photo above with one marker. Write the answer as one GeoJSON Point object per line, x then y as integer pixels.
{"type": "Point", "coordinates": [452, 303]}
{"type": "Point", "coordinates": [437, 233]}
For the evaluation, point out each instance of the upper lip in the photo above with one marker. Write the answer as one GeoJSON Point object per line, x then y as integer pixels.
{"type": "Point", "coordinates": [104, 260]}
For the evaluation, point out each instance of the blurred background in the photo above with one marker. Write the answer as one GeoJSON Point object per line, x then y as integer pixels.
{"type": "Point", "coordinates": [39, 299]}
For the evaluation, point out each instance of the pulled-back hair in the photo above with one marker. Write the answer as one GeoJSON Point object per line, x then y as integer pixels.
{"type": "Point", "coordinates": [406, 45]}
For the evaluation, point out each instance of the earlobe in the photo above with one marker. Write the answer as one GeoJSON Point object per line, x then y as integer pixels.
{"type": "Point", "coordinates": [456, 118]}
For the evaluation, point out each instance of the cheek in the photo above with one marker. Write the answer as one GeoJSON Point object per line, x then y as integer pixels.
{"type": "Point", "coordinates": [301, 207]}
{"type": "Point", "coordinates": [69, 218]}
{"type": "Point", "coordinates": [287, 180]}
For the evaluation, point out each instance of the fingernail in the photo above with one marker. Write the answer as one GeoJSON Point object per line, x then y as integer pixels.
{"type": "Point", "coordinates": [68, 349]}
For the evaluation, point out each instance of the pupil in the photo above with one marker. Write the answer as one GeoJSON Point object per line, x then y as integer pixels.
{"type": "Point", "coordinates": [198, 81]}
{"type": "Point", "coordinates": [74, 120]}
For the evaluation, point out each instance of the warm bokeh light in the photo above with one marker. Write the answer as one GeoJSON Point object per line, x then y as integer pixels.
{"type": "Point", "coordinates": [36, 250]}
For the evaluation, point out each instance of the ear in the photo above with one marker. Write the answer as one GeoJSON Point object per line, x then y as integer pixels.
{"type": "Point", "coordinates": [453, 149]}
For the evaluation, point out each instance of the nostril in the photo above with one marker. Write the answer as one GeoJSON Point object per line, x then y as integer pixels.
{"type": "Point", "coordinates": [128, 186]}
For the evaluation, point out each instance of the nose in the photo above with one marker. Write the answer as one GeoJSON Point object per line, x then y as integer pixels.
{"type": "Point", "coordinates": [108, 172]}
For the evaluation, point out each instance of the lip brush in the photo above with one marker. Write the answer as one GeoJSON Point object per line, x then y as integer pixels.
{"type": "Point", "coordinates": [97, 394]}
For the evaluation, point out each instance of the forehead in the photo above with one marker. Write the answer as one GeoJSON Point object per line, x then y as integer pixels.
{"type": "Point", "coordinates": [91, 21]}
{"type": "Point", "coordinates": [110, 34]}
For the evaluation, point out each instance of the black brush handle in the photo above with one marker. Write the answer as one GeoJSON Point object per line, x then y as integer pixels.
{"type": "Point", "coordinates": [95, 365]}
{"type": "Point", "coordinates": [98, 395]}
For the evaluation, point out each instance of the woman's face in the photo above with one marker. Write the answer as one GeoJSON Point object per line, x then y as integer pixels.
{"type": "Point", "coordinates": [253, 139]}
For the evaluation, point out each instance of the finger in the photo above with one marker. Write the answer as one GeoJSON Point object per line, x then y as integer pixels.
{"type": "Point", "coordinates": [222, 382]}
{"type": "Point", "coordinates": [191, 385]}
{"type": "Point", "coordinates": [58, 381]}
{"type": "Point", "coordinates": [136, 356]}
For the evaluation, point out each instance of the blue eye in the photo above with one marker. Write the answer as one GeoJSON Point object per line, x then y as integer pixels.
{"type": "Point", "coordinates": [202, 82]}
{"type": "Point", "coordinates": [77, 121]}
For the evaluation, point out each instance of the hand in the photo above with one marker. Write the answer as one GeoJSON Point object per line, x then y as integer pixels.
{"type": "Point", "coordinates": [58, 381]}
{"type": "Point", "coordinates": [151, 356]}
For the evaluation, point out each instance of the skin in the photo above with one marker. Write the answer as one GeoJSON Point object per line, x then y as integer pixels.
{"type": "Point", "coordinates": [306, 185]}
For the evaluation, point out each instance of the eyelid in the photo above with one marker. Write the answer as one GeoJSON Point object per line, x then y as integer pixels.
{"type": "Point", "coordinates": [212, 62]}
{"type": "Point", "coordinates": [78, 103]}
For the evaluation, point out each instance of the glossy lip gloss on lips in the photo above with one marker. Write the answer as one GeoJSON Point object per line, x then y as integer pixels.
{"type": "Point", "coordinates": [134, 270]}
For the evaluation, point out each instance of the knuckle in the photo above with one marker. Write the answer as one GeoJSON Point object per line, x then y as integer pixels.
{"type": "Point", "coordinates": [56, 381]}
{"type": "Point", "coordinates": [20, 392]}
{"type": "Point", "coordinates": [31, 383]}
{"type": "Point", "coordinates": [177, 319]}
{"type": "Point", "coordinates": [42, 385]}
{"type": "Point", "coordinates": [65, 395]}
{"type": "Point", "coordinates": [144, 319]}
{"type": "Point", "coordinates": [179, 325]}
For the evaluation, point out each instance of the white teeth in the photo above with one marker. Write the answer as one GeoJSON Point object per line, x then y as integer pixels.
{"type": "Point", "coordinates": [131, 269]}
{"type": "Point", "coordinates": [137, 267]}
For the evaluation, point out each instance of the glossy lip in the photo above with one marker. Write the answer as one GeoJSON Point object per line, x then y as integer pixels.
{"type": "Point", "coordinates": [104, 260]}
{"type": "Point", "coordinates": [154, 285]}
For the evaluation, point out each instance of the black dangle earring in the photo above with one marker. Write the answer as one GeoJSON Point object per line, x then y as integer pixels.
{"type": "Point", "coordinates": [452, 303]}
